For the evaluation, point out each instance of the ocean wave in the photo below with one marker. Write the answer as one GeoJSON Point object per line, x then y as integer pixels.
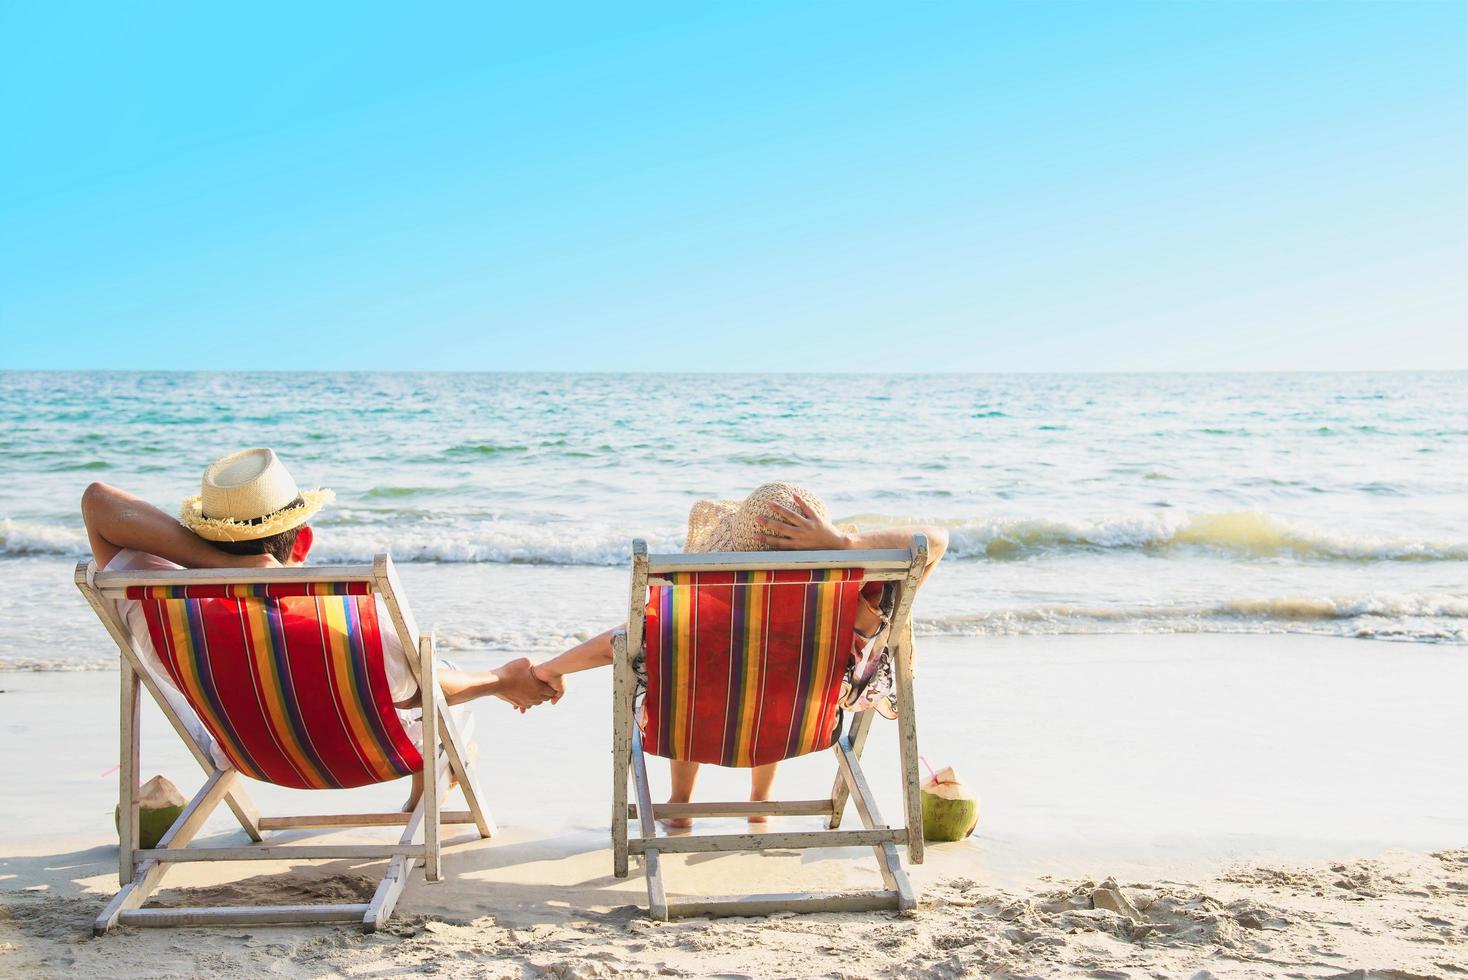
{"type": "Point", "coordinates": [395, 492]}
{"type": "Point", "coordinates": [79, 465]}
{"type": "Point", "coordinates": [492, 542]}
{"type": "Point", "coordinates": [499, 542]}
{"type": "Point", "coordinates": [33, 538]}
{"type": "Point", "coordinates": [1249, 534]}
{"type": "Point", "coordinates": [48, 664]}
{"type": "Point", "coordinates": [477, 449]}
{"type": "Point", "coordinates": [423, 537]}
{"type": "Point", "coordinates": [1429, 617]}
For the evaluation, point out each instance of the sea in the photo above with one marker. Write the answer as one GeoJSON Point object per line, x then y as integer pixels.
{"type": "Point", "coordinates": [1318, 503]}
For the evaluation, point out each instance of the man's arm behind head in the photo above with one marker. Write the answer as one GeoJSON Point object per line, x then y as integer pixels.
{"type": "Point", "coordinates": [116, 520]}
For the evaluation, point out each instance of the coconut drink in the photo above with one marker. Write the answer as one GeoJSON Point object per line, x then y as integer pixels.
{"type": "Point", "coordinates": [950, 808]}
{"type": "Point", "coordinates": [159, 805]}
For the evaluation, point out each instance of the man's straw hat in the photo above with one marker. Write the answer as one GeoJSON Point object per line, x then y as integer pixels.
{"type": "Point", "coordinates": [730, 525]}
{"type": "Point", "coordinates": [249, 495]}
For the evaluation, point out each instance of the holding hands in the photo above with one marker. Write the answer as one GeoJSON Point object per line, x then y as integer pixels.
{"type": "Point", "coordinates": [519, 685]}
{"type": "Point", "coordinates": [791, 523]}
{"type": "Point", "coordinates": [551, 678]}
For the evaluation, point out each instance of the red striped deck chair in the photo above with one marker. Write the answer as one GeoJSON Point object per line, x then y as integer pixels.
{"type": "Point", "coordinates": [743, 655]}
{"type": "Point", "coordinates": [285, 669]}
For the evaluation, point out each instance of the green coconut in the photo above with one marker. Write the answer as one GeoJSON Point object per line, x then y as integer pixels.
{"type": "Point", "coordinates": [950, 808]}
{"type": "Point", "coordinates": [159, 805]}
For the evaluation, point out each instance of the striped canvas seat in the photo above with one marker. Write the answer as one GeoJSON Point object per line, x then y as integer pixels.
{"type": "Point", "coordinates": [745, 668]}
{"type": "Point", "coordinates": [743, 654]}
{"type": "Point", "coordinates": [285, 667]}
{"type": "Point", "coordinates": [288, 678]}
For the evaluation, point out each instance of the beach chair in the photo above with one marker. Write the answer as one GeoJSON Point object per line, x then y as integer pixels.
{"type": "Point", "coordinates": [285, 669]}
{"type": "Point", "coordinates": [744, 654]}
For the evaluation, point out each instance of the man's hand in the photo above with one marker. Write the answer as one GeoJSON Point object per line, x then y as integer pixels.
{"type": "Point", "coordinates": [519, 686]}
{"type": "Point", "coordinates": [787, 530]}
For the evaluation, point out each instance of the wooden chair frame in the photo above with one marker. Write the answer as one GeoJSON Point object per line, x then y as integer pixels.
{"type": "Point", "coordinates": [141, 870]}
{"type": "Point", "coordinates": [903, 567]}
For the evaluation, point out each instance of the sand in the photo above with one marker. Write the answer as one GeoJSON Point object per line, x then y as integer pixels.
{"type": "Point", "coordinates": [1401, 915]}
{"type": "Point", "coordinates": [1152, 806]}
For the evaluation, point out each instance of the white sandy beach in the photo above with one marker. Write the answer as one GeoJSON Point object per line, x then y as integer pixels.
{"type": "Point", "coordinates": [1147, 314]}
{"type": "Point", "coordinates": [1270, 805]}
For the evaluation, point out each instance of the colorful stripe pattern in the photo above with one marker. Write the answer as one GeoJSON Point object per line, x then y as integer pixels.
{"type": "Point", "coordinates": [745, 668]}
{"type": "Point", "coordinates": [258, 589]}
{"type": "Point", "coordinates": [293, 688]}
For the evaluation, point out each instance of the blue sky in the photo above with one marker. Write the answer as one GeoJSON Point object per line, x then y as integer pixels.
{"type": "Point", "coordinates": [745, 186]}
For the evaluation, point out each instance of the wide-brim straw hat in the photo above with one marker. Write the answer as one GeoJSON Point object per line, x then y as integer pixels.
{"type": "Point", "coordinates": [250, 495]}
{"type": "Point", "coordinates": [731, 525]}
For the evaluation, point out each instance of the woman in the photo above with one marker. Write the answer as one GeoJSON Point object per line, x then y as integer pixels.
{"type": "Point", "coordinates": [777, 516]}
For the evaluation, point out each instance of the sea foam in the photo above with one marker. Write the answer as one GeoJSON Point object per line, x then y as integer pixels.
{"type": "Point", "coordinates": [1250, 534]}
{"type": "Point", "coordinates": [36, 538]}
{"type": "Point", "coordinates": [1246, 534]}
{"type": "Point", "coordinates": [1431, 617]}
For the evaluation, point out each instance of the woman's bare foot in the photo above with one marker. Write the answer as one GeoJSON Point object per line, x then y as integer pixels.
{"type": "Point", "coordinates": [676, 823]}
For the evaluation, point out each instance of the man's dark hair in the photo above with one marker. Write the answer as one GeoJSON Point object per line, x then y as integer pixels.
{"type": "Point", "coordinates": [278, 545]}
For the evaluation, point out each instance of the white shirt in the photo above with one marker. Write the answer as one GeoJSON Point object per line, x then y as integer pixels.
{"type": "Point", "coordinates": [400, 680]}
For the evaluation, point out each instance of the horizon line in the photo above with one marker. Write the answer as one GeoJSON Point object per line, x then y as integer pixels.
{"type": "Point", "coordinates": [672, 373]}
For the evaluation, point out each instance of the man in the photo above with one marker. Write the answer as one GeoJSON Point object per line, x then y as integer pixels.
{"type": "Point", "coordinates": [250, 514]}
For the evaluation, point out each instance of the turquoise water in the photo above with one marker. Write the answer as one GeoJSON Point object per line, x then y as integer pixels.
{"type": "Point", "coordinates": [1334, 503]}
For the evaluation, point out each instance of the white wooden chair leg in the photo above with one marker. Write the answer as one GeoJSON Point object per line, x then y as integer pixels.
{"type": "Point", "coordinates": [130, 896]}
{"type": "Point", "coordinates": [856, 736]}
{"type": "Point", "coordinates": [626, 645]}
{"type": "Point", "coordinates": [428, 691]}
{"type": "Point", "coordinates": [245, 812]}
{"type": "Point", "coordinates": [871, 818]}
{"type": "Point", "coordinates": [457, 749]}
{"type": "Point", "coordinates": [907, 740]}
{"type": "Point", "coordinates": [127, 776]}
{"type": "Point", "coordinates": [657, 896]}
{"type": "Point", "coordinates": [902, 652]}
{"type": "Point", "coordinates": [392, 885]}
{"type": "Point", "coordinates": [621, 751]}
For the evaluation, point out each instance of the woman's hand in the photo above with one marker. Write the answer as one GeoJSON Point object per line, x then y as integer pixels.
{"type": "Point", "coordinates": [551, 679]}
{"type": "Point", "coordinates": [787, 530]}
